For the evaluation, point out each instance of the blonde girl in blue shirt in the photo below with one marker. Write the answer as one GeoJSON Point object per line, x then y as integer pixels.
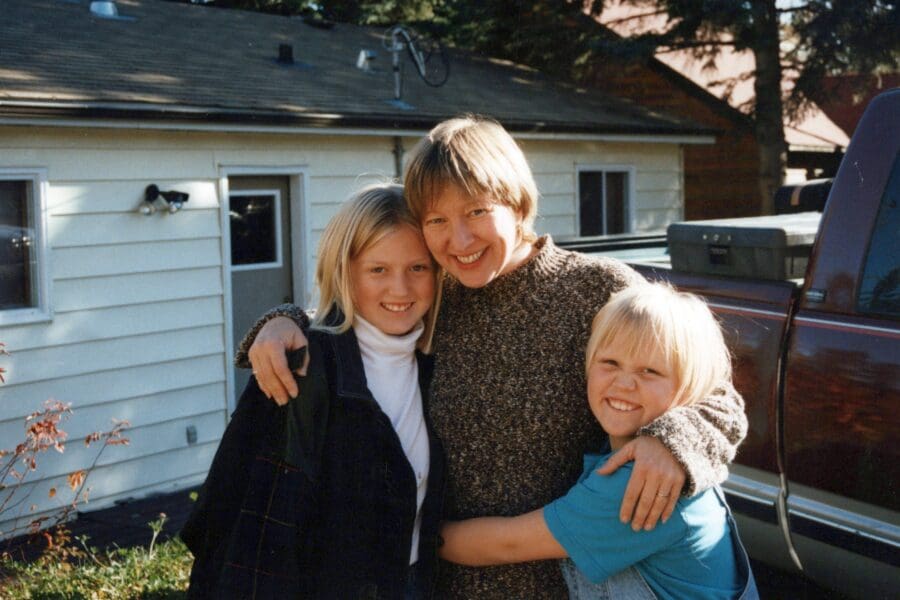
{"type": "Point", "coordinates": [652, 349]}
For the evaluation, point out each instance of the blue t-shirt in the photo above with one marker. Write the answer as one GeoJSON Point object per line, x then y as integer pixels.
{"type": "Point", "coordinates": [690, 556]}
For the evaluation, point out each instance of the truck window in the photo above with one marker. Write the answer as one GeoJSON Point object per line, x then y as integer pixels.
{"type": "Point", "coordinates": [879, 291]}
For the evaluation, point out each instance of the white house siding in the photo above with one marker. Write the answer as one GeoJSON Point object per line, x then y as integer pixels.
{"type": "Point", "coordinates": [138, 329]}
{"type": "Point", "coordinates": [658, 191]}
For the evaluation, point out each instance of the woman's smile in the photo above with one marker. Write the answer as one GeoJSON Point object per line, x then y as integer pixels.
{"type": "Point", "coordinates": [476, 239]}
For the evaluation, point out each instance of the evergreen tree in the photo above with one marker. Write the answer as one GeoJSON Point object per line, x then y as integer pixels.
{"type": "Point", "coordinates": [801, 40]}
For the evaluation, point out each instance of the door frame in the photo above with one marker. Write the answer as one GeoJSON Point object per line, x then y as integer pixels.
{"type": "Point", "coordinates": [300, 233]}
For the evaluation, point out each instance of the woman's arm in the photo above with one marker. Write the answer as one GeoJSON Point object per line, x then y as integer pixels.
{"type": "Point", "coordinates": [499, 540]}
{"type": "Point", "coordinates": [703, 437]}
{"type": "Point", "coordinates": [684, 451]}
{"type": "Point", "coordinates": [263, 349]}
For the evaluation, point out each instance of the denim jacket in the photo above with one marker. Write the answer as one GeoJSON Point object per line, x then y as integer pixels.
{"type": "Point", "coordinates": [315, 499]}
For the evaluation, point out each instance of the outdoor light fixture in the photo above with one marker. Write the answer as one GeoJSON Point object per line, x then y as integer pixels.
{"type": "Point", "coordinates": [174, 200]}
{"type": "Point", "coordinates": [364, 60]}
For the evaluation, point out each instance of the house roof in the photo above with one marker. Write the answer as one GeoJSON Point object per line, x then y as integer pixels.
{"type": "Point", "coordinates": [844, 98]}
{"type": "Point", "coordinates": [173, 61]}
{"type": "Point", "coordinates": [728, 76]}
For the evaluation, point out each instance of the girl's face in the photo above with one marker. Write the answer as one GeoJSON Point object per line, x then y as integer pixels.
{"type": "Point", "coordinates": [475, 239]}
{"type": "Point", "coordinates": [393, 281]}
{"type": "Point", "coordinates": [627, 392]}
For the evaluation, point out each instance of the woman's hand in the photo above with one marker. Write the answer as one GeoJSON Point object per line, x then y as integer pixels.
{"type": "Point", "coordinates": [267, 355]}
{"type": "Point", "coordinates": [655, 484]}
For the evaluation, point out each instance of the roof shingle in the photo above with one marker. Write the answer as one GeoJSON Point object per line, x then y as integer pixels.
{"type": "Point", "coordinates": [183, 61]}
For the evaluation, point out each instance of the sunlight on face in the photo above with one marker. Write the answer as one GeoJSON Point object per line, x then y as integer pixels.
{"type": "Point", "coordinates": [393, 281]}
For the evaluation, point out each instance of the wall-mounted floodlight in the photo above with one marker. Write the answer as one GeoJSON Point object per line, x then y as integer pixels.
{"type": "Point", "coordinates": [174, 200]}
{"type": "Point", "coordinates": [364, 60]}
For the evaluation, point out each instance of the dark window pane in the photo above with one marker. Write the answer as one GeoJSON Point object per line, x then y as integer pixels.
{"type": "Point", "coordinates": [616, 206]}
{"type": "Point", "coordinates": [602, 199]}
{"type": "Point", "coordinates": [880, 289]}
{"type": "Point", "coordinates": [253, 229]}
{"type": "Point", "coordinates": [16, 247]}
{"type": "Point", "coordinates": [590, 200]}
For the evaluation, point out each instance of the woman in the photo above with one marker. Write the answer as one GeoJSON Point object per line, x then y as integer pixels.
{"type": "Point", "coordinates": [507, 394]}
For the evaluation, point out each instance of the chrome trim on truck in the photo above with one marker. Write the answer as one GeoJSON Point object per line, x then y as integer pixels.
{"type": "Point", "coordinates": [862, 535]}
{"type": "Point", "coordinates": [763, 502]}
{"type": "Point", "coordinates": [752, 498]}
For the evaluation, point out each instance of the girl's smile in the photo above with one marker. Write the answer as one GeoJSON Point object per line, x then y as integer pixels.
{"type": "Point", "coordinates": [626, 392]}
{"type": "Point", "coordinates": [393, 281]}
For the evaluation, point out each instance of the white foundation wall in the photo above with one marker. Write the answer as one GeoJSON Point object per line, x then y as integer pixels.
{"type": "Point", "coordinates": [138, 326]}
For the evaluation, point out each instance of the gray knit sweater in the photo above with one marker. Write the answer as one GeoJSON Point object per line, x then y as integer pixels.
{"type": "Point", "coordinates": [508, 402]}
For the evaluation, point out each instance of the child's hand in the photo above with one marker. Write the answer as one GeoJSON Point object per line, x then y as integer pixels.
{"type": "Point", "coordinates": [655, 484]}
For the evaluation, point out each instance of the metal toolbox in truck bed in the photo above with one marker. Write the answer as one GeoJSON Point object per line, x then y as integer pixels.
{"type": "Point", "coordinates": [770, 247]}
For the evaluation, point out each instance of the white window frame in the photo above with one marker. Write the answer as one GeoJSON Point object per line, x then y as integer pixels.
{"type": "Point", "coordinates": [279, 259]}
{"type": "Point", "coordinates": [39, 190]}
{"type": "Point", "coordinates": [631, 176]}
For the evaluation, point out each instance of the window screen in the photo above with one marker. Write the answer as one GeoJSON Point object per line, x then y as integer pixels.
{"type": "Point", "coordinates": [603, 202]}
{"type": "Point", "coordinates": [18, 265]}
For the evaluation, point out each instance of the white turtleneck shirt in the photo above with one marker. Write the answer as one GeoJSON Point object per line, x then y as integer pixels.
{"type": "Point", "coordinates": [392, 375]}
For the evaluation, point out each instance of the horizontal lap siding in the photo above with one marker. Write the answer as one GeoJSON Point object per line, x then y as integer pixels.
{"type": "Point", "coordinates": [658, 187]}
{"type": "Point", "coordinates": [138, 328]}
{"type": "Point", "coordinates": [154, 473]}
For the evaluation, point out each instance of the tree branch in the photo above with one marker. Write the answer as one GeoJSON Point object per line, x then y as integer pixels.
{"type": "Point", "coordinates": [675, 47]}
{"type": "Point", "coordinates": [794, 9]}
{"type": "Point", "coordinates": [654, 13]}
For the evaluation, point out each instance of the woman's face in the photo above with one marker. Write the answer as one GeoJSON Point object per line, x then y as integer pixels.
{"type": "Point", "coordinates": [393, 281]}
{"type": "Point", "coordinates": [626, 392]}
{"type": "Point", "coordinates": [475, 239]}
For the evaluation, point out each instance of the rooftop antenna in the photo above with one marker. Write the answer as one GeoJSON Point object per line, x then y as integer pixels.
{"type": "Point", "coordinates": [427, 54]}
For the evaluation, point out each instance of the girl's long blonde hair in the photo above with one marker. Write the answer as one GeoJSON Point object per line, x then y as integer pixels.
{"type": "Point", "coordinates": [365, 218]}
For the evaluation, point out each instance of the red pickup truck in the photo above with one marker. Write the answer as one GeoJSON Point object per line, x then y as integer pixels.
{"type": "Point", "coordinates": [817, 359]}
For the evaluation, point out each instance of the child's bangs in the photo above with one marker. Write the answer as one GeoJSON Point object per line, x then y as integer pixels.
{"type": "Point", "coordinates": [639, 324]}
{"type": "Point", "coordinates": [639, 335]}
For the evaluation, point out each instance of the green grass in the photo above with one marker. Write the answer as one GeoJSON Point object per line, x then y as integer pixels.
{"type": "Point", "coordinates": [156, 572]}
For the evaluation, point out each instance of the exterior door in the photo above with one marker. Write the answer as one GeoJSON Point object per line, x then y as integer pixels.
{"type": "Point", "coordinates": [261, 275]}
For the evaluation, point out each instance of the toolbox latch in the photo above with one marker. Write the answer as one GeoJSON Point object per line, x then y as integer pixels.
{"type": "Point", "coordinates": [815, 296]}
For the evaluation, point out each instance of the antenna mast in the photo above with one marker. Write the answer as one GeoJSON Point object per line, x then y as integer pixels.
{"type": "Point", "coordinates": [432, 64]}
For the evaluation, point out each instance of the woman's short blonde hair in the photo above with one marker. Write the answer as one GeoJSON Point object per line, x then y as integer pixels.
{"type": "Point", "coordinates": [655, 317]}
{"type": "Point", "coordinates": [480, 158]}
{"type": "Point", "coordinates": [365, 218]}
